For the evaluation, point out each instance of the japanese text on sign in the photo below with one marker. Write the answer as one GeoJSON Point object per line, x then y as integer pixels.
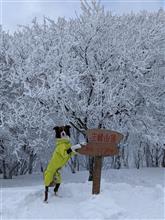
{"type": "Point", "coordinates": [102, 137]}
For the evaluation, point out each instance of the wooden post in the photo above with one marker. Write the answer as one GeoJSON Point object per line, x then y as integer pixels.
{"type": "Point", "coordinates": [97, 174]}
{"type": "Point", "coordinates": [101, 143]}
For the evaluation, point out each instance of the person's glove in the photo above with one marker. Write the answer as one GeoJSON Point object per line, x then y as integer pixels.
{"type": "Point", "coordinates": [75, 147]}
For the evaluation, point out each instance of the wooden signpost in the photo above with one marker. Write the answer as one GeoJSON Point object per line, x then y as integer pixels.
{"type": "Point", "coordinates": [101, 143]}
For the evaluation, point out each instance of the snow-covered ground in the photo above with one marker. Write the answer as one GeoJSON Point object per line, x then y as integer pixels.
{"type": "Point", "coordinates": [125, 194]}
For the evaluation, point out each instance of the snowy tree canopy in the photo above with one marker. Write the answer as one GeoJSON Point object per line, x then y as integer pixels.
{"type": "Point", "coordinates": [96, 71]}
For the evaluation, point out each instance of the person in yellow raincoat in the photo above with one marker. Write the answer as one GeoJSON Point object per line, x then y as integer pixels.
{"type": "Point", "coordinates": [62, 153]}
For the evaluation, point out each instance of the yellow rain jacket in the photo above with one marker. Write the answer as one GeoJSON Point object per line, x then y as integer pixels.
{"type": "Point", "coordinates": [59, 158]}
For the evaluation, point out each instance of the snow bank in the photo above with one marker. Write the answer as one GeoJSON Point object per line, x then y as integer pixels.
{"type": "Point", "coordinates": [138, 196]}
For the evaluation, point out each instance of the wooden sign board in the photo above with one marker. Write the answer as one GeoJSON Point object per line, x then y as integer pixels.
{"type": "Point", "coordinates": [101, 143]}
{"type": "Point", "coordinates": [98, 149]}
{"type": "Point", "coordinates": [104, 136]}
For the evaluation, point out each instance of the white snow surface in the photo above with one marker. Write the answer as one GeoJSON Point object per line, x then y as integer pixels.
{"type": "Point", "coordinates": [125, 194]}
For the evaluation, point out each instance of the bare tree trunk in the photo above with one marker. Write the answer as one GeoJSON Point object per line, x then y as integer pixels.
{"type": "Point", "coordinates": [91, 163]}
{"type": "Point", "coordinates": [148, 156]}
{"type": "Point", "coordinates": [117, 162]}
{"type": "Point", "coordinates": [4, 169]}
{"type": "Point", "coordinates": [163, 159]}
{"type": "Point", "coordinates": [8, 170]}
{"type": "Point", "coordinates": [11, 171]}
{"type": "Point", "coordinates": [23, 167]}
{"type": "Point", "coordinates": [32, 158]}
{"type": "Point", "coordinates": [75, 162]}
{"type": "Point", "coordinates": [41, 167]}
{"type": "Point", "coordinates": [157, 158]}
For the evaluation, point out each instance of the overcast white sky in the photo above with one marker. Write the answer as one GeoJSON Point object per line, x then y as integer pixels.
{"type": "Point", "coordinates": [14, 12]}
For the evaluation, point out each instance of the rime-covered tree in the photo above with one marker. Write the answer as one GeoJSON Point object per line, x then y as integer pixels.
{"type": "Point", "coordinates": [97, 70]}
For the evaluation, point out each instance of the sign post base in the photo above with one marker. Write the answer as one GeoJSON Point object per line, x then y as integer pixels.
{"type": "Point", "coordinates": [97, 174]}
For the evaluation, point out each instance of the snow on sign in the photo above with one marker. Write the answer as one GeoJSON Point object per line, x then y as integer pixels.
{"type": "Point", "coordinates": [100, 143]}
